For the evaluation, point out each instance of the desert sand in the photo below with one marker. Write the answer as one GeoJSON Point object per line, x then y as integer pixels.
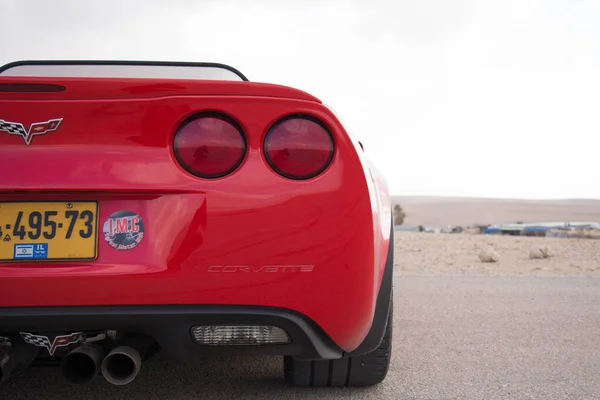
{"type": "Point", "coordinates": [458, 254]}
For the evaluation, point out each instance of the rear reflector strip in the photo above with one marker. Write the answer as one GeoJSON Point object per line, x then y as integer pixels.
{"type": "Point", "coordinates": [30, 87]}
{"type": "Point", "coordinates": [239, 335]}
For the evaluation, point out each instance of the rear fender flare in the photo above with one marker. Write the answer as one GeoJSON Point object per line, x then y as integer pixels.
{"type": "Point", "coordinates": [382, 307]}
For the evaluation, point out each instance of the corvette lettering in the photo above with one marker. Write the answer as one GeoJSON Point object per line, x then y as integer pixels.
{"type": "Point", "coordinates": [37, 128]}
{"type": "Point", "coordinates": [264, 268]}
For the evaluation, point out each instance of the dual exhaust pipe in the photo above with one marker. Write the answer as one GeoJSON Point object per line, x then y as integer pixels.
{"type": "Point", "coordinates": [118, 367]}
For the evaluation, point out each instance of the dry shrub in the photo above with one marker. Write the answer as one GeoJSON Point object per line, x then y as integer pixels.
{"type": "Point", "coordinates": [539, 253]}
{"type": "Point", "coordinates": [488, 256]}
{"type": "Point", "coordinates": [546, 252]}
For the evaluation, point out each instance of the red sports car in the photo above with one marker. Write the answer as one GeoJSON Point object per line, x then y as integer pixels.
{"type": "Point", "coordinates": [178, 207]}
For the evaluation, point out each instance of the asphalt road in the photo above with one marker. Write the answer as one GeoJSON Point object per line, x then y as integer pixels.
{"type": "Point", "coordinates": [455, 338]}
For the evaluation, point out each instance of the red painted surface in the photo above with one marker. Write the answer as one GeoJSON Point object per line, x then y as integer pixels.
{"type": "Point", "coordinates": [233, 240]}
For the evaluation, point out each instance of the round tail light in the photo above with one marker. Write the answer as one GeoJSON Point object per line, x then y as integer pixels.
{"type": "Point", "coordinates": [299, 147]}
{"type": "Point", "coordinates": [210, 145]}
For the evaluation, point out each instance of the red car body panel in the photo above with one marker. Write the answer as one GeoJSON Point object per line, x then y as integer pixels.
{"type": "Point", "coordinates": [317, 247]}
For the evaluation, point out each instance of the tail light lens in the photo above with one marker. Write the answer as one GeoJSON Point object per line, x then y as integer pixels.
{"type": "Point", "coordinates": [210, 146]}
{"type": "Point", "coordinates": [299, 147]}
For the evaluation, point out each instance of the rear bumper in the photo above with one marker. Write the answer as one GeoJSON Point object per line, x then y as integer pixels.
{"type": "Point", "coordinates": [171, 327]}
{"type": "Point", "coordinates": [201, 249]}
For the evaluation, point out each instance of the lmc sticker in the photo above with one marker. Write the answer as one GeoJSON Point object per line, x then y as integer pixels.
{"type": "Point", "coordinates": [123, 230]}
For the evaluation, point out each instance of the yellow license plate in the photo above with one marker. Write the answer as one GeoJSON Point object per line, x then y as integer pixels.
{"type": "Point", "coordinates": [38, 231]}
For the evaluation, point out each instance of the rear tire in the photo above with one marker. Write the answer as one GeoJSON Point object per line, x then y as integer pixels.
{"type": "Point", "coordinates": [364, 370]}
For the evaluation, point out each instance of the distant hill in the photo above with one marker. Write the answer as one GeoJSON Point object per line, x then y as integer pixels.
{"type": "Point", "coordinates": [443, 211]}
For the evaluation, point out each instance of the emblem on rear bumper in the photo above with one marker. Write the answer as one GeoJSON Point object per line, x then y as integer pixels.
{"type": "Point", "coordinates": [37, 128]}
{"type": "Point", "coordinates": [44, 341]}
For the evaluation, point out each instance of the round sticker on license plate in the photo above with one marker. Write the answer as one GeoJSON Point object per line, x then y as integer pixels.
{"type": "Point", "coordinates": [123, 230]}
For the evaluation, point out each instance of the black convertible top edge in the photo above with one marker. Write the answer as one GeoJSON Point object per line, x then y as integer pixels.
{"type": "Point", "coordinates": [124, 63]}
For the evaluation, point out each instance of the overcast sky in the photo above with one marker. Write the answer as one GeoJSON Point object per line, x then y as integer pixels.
{"type": "Point", "coordinates": [450, 97]}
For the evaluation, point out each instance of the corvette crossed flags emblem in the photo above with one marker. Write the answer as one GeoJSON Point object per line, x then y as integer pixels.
{"type": "Point", "coordinates": [37, 128]}
{"type": "Point", "coordinates": [58, 341]}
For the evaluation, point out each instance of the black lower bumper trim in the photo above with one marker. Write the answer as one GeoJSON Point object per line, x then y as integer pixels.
{"type": "Point", "coordinates": [170, 326]}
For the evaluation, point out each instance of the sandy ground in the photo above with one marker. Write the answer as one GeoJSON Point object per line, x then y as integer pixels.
{"type": "Point", "coordinates": [457, 254]}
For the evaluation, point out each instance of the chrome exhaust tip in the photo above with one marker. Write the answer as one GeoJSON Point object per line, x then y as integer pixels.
{"type": "Point", "coordinates": [121, 365]}
{"type": "Point", "coordinates": [82, 364]}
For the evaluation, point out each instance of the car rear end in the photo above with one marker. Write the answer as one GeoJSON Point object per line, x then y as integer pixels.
{"type": "Point", "coordinates": [191, 215]}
